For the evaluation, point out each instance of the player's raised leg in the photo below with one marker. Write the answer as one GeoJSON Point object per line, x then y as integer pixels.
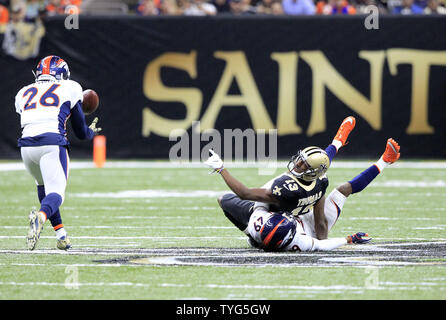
{"type": "Point", "coordinates": [358, 183]}
{"type": "Point", "coordinates": [335, 201]}
{"type": "Point", "coordinates": [341, 136]}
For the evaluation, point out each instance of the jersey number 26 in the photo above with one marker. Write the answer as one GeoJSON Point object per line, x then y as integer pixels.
{"type": "Point", "coordinates": [48, 99]}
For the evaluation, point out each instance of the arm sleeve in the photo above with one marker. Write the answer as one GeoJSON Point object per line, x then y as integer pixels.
{"type": "Point", "coordinates": [80, 128]}
{"type": "Point", "coordinates": [328, 244]}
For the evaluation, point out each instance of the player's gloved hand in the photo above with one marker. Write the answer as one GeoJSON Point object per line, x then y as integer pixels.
{"type": "Point", "coordinates": [358, 238]}
{"type": "Point", "coordinates": [214, 162]}
{"type": "Point", "coordinates": [93, 126]}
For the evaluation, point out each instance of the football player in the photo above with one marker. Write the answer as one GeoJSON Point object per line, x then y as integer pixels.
{"type": "Point", "coordinates": [283, 231]}
{"type": "Point", "coordinates": [44, 107]}
{"type": "Point", "coordinates": [298, 190]}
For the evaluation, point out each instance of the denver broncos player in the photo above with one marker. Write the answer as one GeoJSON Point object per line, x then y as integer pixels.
{"type": "Point", "coordinates": [44, 107]}
{"type": "Point", "coordinates": [298, 190]}
{"type": "Point", "coordinates": [282, 231]}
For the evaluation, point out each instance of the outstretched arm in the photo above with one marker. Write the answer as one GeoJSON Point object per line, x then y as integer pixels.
{"type": "Point", "coordinates": [307, 243]}
{"type": "Point", "coordinates": [243, 192]}
{"type": "Point", "coordinates": [80, 128]}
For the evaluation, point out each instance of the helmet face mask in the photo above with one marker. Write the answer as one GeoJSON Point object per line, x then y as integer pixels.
{"type": "Point", "coordinates": [316, 161]}
{"type": "Point", "coordinates": [52, 68]}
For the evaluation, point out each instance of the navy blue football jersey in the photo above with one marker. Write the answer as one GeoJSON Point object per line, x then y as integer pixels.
{"type": "Point", "coordinates": [298, 196]}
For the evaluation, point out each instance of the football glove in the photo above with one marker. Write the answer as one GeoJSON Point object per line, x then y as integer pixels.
{"type": "Point", "coordinates": [93, 126]}
{"type": "Point", "coordinates": [214, 162]}
{"type": "Point", "coordinates": [358, 238]}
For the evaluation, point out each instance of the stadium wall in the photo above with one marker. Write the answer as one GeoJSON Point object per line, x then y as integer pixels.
{"type": "Point", "coordinates": [300, 76]}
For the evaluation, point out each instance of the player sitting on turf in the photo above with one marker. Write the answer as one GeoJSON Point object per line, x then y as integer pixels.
{"type": "Point", "coordinates": [44, 108]}
{"type": "Point", "coordinates": [282, 231]}
{"type": "Point", "coordinates": [302, 187]}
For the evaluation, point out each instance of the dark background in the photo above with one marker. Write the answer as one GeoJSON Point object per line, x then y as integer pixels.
{"type": "Point", "coordinates": [110, 54]}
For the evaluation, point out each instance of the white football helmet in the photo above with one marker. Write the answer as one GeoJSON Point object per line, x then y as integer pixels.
{"type": "Point", "coordinates": [316, 160]}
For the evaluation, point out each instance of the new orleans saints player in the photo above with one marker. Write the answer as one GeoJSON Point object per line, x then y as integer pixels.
{"type": "Point", "coordinates": [298, 190]}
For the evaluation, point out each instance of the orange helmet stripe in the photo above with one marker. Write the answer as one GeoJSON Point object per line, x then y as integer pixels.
{"type": "Point", "coordinates": [271, 234]}
{"type": "Point", "coordinates": [46, 65]}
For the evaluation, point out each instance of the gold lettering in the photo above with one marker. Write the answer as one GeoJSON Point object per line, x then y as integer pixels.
{"type": "Point", "coordinates": [154, 89]}
{"type": "Point", "coordinates": [287, 107]}
{"type": "Point", "coordinates": [326, 76]}
{"type": "Point", "coordinates": [420, 60]}
{"type": "Point", "coordinates": [237, 68]}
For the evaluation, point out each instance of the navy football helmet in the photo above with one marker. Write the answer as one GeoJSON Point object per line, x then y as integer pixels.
{"type": "Point", "coordinates": [277, 232]}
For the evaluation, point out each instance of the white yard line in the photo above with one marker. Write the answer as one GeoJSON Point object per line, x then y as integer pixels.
{"type": "Point", "coordinates": [17, 165]}
{"type": "Point", "coordinates": [332, 288]}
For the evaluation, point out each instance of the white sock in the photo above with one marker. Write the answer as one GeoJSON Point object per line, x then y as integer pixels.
{"type": "Point", "coordinates": [337, 144]}
{"type": "Point", "coordinates": [381, 164]}
{"type": "Point", "coordinates": [60, 233]}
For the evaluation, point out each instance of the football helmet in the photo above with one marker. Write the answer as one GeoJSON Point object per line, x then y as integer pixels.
{"type": "Point", "coordinates": [316, 160]}
{"type": "Point", "coordinates": [52, 68]}
{"type": "Point", "coordinates": [277, 232]}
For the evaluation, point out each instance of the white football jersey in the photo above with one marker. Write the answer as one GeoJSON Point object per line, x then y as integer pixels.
{"type": "Point", "coordinates": [304, 238]}
{"type": "Point", "coordinates": [45, 106]}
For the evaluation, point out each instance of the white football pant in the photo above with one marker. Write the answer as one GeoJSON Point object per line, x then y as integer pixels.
{"type": "Point", "coordinates": [49, 165]}
{"type": "Point", "coordinates": [332, 209]}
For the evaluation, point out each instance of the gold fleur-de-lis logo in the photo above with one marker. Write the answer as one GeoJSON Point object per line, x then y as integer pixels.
{"type": "Point", "coordinates": [276, 191]}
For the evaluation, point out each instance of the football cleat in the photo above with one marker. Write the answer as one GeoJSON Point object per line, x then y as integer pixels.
{"type": "Point", "coordinates": [344, 130]}
{"type": "Point", "coordinates": [392, 152]}
{"type": "Point", "coordinates": [35, 228]}
{"type": "Point", "coordinates": [63, 243]}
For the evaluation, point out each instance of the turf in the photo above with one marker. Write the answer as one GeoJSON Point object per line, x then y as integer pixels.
{"type": "Point", "coordinates": [119, 229]}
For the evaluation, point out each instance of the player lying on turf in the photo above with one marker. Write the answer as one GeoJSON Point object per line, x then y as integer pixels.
{"type": "Point", "coordinates": [283, 231]}
{"type": "Point", "coordinates": [44, 108]}
{"type": "Point", "coordinates": [302, 187]}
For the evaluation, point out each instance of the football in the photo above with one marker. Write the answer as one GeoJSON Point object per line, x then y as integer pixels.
{"type": "Point", "coordinates": [91, 101]}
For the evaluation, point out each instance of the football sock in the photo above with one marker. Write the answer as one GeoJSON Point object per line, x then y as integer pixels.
{"type": "Point", "coordinates": [361, 181]}
{"type": "Point", "coordinates": [60, 233]}
{"type": "Point", "coordinates": [331, 151]}
{"type": "Point", "coordinates": [41, 193]}
{"type": "Point", "coordinates": [381, 164]}
{"type": "Point", "coordinates": [50, 204]}
{"type": "Point", "coordinates": [364, 178]}
{"type": "Point", "coordinates": [56, 218]}
{"type": "Point", "coordinates": [337, 144]}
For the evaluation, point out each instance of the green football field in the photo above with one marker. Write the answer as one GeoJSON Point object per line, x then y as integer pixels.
{"type": "Point", "coordinates": [146, 231]}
